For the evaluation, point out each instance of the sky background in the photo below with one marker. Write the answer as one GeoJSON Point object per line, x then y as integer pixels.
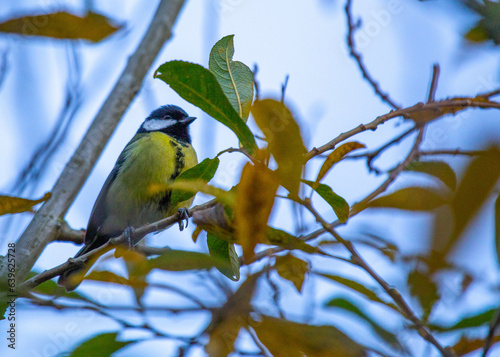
{"type": "Point", "coordinates": [400, 41]}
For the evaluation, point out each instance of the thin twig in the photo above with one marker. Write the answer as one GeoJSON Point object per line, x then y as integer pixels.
{"type": "Point", "coordinates": [490, 94]}
{"type": "Point", "coordinates": [283, 88]}
{"type": "Point", "coordinates": [371, 156]}
{"type": "Point", "coordinates": [392, 292]}
{"type": "Point", "coordinates": [491, 333]}
{"type": "Point", "coordinates": [451, 152]}
{"type": "Point", "coordinates": [255, 82]}
{"type": "Point", "coordinates": [351, 28]}
{"type": "Point", "coordinates": [434, 83]}
{"type": "Point", "coordinates": [359, 206]}
{"type": "Point", "coordinates": [452, 104]}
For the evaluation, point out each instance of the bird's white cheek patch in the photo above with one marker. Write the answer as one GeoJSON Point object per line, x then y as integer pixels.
{"type": "Point", "coordinates": [158, 124]}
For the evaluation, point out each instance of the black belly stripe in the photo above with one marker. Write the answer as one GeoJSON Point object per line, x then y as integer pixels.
{"type": "Point", "coordinates": [179, 159]}
{"type": "Point", "coordinates": [164, 203]}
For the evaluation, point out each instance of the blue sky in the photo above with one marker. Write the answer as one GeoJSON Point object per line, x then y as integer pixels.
{"type": "Point", "coordinates": [399, 40]}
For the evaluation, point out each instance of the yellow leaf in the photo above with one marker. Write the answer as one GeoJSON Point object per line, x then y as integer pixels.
{"type": "Point", "coordinates": [336, 156]}
{"type": "Point", "coordinates": [109, 277]}
{"type": "Point", "coordinates": [292, 269]}
{"type": "Point", "coordinates": [223, 196]}
{"type": "Point", "coordinates": [290, 339]}
{"type": "Point", "coordinates": [9, 204]}
{"type": "Point", "coordinates": [254, 202]}
{"type": "Point", "coordinates": [62, 25]}
{"type": "Point", "coordinates": [410, 198]}
{"type": "Point", "coordinates": [284, 139]}
{"type": "Point", "coordinates": [196, 234]}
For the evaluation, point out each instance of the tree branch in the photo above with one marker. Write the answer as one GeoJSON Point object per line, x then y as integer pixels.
{"type": "Point", "coordinates": [42, 228]}
{"type": "Point", "coordinates": [112, 243]}
{"type": "Point", "coordinates": [392, 292]}
{"type": "Point", "coordinates": [452, 104]}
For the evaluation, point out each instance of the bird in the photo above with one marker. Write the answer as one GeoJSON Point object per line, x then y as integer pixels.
{"type": "Point", "coordinates": [135, 192]}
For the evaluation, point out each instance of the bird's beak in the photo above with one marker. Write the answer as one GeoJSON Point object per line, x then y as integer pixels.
{"type": "Point", "coordinates": [189, 120]}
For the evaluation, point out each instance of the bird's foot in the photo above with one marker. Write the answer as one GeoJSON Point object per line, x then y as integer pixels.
{"type": "Point", "coordinates": [129, 236]}
{"type": "Point", "coordinates": [183, 216]}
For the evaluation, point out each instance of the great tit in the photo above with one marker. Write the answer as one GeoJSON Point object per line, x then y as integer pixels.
{"type": "Point", "coordinates": [134, 193]}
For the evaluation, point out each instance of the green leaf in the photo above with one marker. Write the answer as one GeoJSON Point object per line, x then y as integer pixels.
{"type": "Point", "coordinates": [286, 240]}
{"type": "Point", "coordinates": [224, 251]}
{"type": "Point", "coordinates": [497, 227]}
{"type": "Point", "coordinates": [234, 77]}
{"type": "Point", "coordinates": [100, 345]}
{"type": "Point", "coordinates": [284, 140]}
{"type": "Point", "coordinates": [422, 286]}
{"type": "Point", "coordinates": [9, 204]}
{"type": "Point", "coordinates": [360, 288]}
{"type": "Point", "coordinates": [439, 169]}
{"type": "Point", "coordinates": [62, 25]}
{"type": "Point", "coordinates": [477, 320]}
{"type": "Point", "coordinates": [387, 336]}
{"type": "Point", "coordinates": [292, 269]}
{"type": "Point", "coordinates": [285, 338]}
{"type": "Point", "coordinates": [410, 198]}
{"type": "Point", "coordinates": [204, 171]}
{"type": "Point", "coordinates": [339, 205]}
{"type": "Point", "coordinates": [198, 86]}
{"type": "Point", "coordinates": [177, 260]}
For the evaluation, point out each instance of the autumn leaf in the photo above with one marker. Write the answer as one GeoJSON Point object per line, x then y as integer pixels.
{"type": "Point", "coordinates": [336, 156]}
{"type": "Point", "coordinates": [9, 204]}
{"type": "Point", "coordinates": [284, 140]}
{"type": "Point", "coordinates": [93, 27]}
{"type": "Point", "coordinates": [285, 338]}
{"type": "Point", "coordinates": [292, 269]}
{"type": "Point", "coordinates": [254, 202]}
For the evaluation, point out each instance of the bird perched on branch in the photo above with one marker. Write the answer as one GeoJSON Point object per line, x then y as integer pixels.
{"type": "Point", "coordinates": [135, 191]}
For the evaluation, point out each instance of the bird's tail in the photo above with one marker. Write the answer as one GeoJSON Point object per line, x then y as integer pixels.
{"type": "Point", "coordinates": [73, 277]}
{"type": "Point", "coordinates": [70, 279]}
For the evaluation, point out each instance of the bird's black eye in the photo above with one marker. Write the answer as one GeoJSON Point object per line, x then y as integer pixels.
{"type": "Point", "coordinates": [166, 117]}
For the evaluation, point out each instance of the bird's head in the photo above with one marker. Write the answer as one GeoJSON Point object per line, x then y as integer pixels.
{"type": "Point", "coordinates": [169, 119]}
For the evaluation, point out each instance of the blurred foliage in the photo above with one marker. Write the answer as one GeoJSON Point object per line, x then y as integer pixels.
{"type": "Point", "coordinates": [93, 27]}
{"type": "Point", "coordinates": [272, 259]}
{"type": "Point", "coordinates": [488, 27]}
{"type": "Point", "coordinates": [9, 205]}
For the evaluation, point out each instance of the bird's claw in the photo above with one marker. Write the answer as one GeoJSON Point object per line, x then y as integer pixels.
{"type": "Point", "coordinates": [129, 236]}
{"type": "Point", "coordinates": [183, 216]}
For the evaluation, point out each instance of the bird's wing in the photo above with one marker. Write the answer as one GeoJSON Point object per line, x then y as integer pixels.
{"type": "Point", "coordinates": [99, 211]}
